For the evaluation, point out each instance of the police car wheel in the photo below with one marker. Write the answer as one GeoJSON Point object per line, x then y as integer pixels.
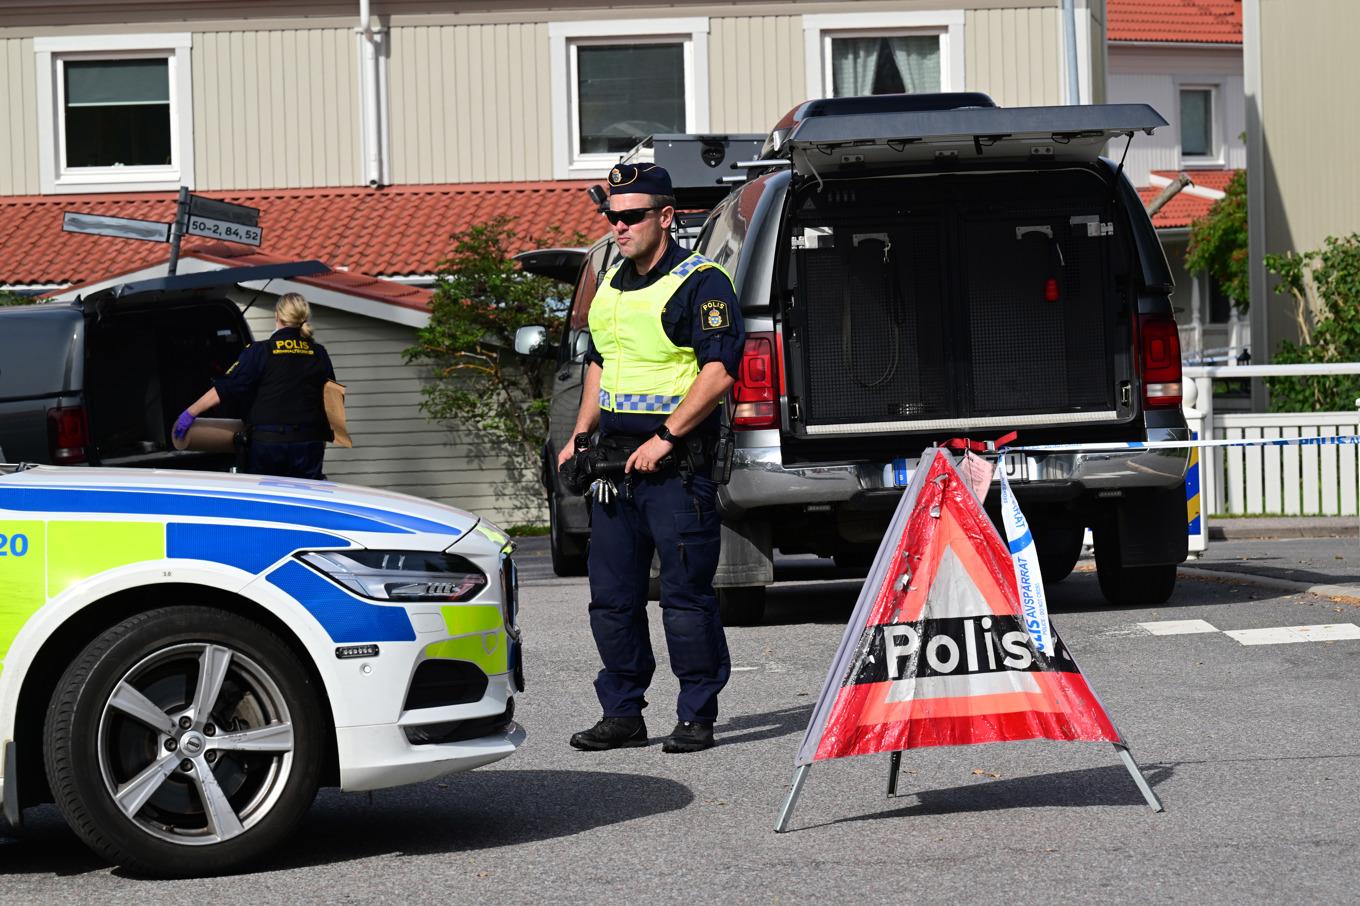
{"type": "Point", "coordinates": [183, 742]}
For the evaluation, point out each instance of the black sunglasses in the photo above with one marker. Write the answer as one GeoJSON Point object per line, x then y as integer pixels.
{"type": "Point", "coordinates": [632, 216]}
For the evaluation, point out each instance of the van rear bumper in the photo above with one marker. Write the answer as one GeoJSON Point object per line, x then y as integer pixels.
{"type": "Point", "coordinates": [760, 479]}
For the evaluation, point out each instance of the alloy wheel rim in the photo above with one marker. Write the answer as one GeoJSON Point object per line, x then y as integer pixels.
{"type": "Point", "coordinates": [195, 744]}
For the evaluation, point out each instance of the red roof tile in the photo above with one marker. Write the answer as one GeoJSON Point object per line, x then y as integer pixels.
{"type": "Point", "coordinates": [1176, 21]}
{"type": "Point", "coordinates": [1181, 211]}
{"type": "Point", "coordinates": [1209, 179]}
{"type": "Point", "coordinates": [394, 231]}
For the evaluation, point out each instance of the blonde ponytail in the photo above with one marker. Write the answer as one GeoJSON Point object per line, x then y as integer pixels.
{"type": "Point", "coordinates": [292, 310]}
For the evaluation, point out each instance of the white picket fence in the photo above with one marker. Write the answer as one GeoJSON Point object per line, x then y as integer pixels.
{"type": "Point", "coordinates": [1289, 480]}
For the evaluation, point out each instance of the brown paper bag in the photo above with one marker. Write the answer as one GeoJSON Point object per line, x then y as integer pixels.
{"type": "Point", "coordinates": [209, 435]}
{"type": "Point", "coordinates": [334, 396]}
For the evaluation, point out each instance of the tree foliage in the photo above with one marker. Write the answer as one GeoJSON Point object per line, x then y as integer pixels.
{"type": "Point", "coordinates": [1325, 286]}
{"type": "Point", "coordinates": [481, 299]}
{"type": "Point", "coordinates": [1218, 242]}
{"type": "Point", "coordinates": [12, 298]}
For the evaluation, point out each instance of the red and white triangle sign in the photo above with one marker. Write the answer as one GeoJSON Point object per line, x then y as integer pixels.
{"type": "Point", "coordinates": [936, 652]}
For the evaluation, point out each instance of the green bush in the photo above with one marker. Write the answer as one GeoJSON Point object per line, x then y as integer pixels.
{"type": "Point", "coordinates": [1218, 242]}
{"type": "Point", "coordinates": [481, 299]}
{"type": "Point", "coordinates": [1325, 286]}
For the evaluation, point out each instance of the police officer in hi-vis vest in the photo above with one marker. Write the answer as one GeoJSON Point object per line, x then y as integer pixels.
{"type": "Point", "coordinates": [666, 338]}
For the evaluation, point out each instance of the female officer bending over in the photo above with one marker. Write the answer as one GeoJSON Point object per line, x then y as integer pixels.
{"type": "Point", "coordinates": [278, 384]}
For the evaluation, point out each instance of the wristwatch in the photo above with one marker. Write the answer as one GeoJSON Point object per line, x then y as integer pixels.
{"type": "Point", "coordinates": [664, 433]}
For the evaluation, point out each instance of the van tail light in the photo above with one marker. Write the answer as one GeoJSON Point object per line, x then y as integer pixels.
{"type": "Point", "coordinates": [756, 392]}
{"type": "Point", "coordinates": [1160, 344]}
{"type": "Point", "coordinates": [68, 435]}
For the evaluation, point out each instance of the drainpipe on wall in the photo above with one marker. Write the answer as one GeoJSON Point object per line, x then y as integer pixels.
{"type": "Point", "coordinates": [371, 101]}
{"type": "Point", "coordinates": [1069, 25]}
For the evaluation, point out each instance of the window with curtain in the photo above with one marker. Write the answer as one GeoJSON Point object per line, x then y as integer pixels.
{"type": "Point", "coordinates": [626, 92]}
{"type": "Point", "coordinates": [117, 113]}
{"type": "Point", "coordinates": [885, 64]}
{"type": "Point", "coordinates": [1197, 126]}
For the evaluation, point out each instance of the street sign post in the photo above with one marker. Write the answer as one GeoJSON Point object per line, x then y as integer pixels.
{"type": "Point", "coordinates": [194, 216]}
{"type": "Point", "coordinates": [120, 227]}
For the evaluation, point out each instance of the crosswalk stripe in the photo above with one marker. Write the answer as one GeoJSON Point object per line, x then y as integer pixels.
{"type": "Point", "coordinates": [1178, 627]}
{"type": "Point", "coordinates": [1282, 635]}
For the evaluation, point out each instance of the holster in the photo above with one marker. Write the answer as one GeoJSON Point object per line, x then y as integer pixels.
{"type": "Point", "coordinates": [604, 458]}
{"type": "Point", "coordinates": [710, 456]}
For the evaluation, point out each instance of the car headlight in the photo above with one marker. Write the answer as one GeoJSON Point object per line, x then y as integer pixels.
{"type": "Point", "coordinates": [400, 576]}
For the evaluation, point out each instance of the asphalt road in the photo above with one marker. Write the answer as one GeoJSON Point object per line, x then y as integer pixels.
{"type": "Point", "coordinates": [1252, 749]}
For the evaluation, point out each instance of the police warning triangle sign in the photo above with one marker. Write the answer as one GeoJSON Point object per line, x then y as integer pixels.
{"type": "Point", "coordinates": [937, 651]}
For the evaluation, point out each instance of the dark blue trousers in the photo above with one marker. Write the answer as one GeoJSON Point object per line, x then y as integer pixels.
{"type": "Point", "coordinates": [682, 525]}
{"type": "Point", "coordinates": [295, 460]}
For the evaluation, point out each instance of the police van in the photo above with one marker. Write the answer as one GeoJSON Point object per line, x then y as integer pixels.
{"type": "Point", "coordinates": [915, 268]}
{"type": "Point", "coordinates": [185, 657]}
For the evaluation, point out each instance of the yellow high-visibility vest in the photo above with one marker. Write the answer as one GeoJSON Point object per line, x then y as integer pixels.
{"type": "Point", "coordinates": [643, 370]}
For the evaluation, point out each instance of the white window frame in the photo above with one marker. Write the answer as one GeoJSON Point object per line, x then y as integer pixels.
{"type": "Point", "coordinates": [1216, 157]}
{"type": "Point", "coordinates": [51, 53]}
{"type": "Point", "coordinates": [818, 30]}
{"type": "Point", "coordinates": [565, 37]}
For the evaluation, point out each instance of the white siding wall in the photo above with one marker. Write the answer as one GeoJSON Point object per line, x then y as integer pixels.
{"type": "Point", "coordinates": [756, 71]}
{"type": "Point", "coordinates": [470, 103]}
{"type": "Point", "coordinates": [276, 109]}
{"type": "Point", "coordinates": [395, 447]}
{"type": "Point", "coordinates": [18, 118]}
{"type": "Point", "coordinates": [1153, 76]}
{"type": "Point", "coordinates": [1014, 55]}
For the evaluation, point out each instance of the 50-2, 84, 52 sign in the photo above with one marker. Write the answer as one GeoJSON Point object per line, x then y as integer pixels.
{"type": "Point", "coordinates": [221, 229]}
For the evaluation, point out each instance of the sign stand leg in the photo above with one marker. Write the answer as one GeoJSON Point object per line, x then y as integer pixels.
{"type": "Point", "coordinates": [1137, 774]}
{"type": "Point", "coordinates": [791, 800]}
{"type": "Point", "coordinates": [894, 767]}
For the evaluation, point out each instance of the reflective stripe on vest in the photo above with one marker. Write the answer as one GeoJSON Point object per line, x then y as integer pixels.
{"type": "Point", "coordinates": [643, 370]}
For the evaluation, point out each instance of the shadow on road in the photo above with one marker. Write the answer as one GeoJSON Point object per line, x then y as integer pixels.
{"type": "Point", "coordinates": [467, 812]}
{"type": "Point", "coordinates": [814, 601]}
{"type": "Point", "coordinates": [770, 725]}
{"type": "Point", "coordinates": [1086, 788]}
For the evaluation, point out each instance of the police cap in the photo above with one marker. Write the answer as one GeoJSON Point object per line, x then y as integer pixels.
{"type": "Point", "coordinates": [644, 179]}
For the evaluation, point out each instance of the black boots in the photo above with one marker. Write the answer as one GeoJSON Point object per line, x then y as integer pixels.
{"type": "Point", "coordinates": [612, 733]}
{"type": "Point", "coordinates": [627, 732]}
{"type": "Point", "coordinates": [689, 736]}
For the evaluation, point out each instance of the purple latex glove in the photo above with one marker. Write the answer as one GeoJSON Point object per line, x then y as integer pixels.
{"type": "Point", "coordinates": [182, 424]}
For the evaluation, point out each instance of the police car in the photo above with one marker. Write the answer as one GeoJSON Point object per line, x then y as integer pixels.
{"type": "Point", "coordinates": [186, 657]}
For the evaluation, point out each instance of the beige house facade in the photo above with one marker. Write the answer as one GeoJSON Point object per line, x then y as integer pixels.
{"type": "Point", "coordinates": [1301, 82]}
{"type": "Point", "coordinates": [248, 94]}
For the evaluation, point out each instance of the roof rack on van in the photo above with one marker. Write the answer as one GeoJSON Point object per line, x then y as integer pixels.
{"type": "Point", "coordinates": [869, 103]}
{"type": "Point", "coordinates": [697, 163]}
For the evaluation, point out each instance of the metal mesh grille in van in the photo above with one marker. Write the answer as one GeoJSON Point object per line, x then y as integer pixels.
{"type": "Point", "coordinates": [1029, 352]}
{"type": "Point", "coordinates": [874, 331]}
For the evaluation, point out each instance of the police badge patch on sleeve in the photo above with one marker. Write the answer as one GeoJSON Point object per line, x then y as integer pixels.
{"type": "Point", "coordinates": [713, 315]}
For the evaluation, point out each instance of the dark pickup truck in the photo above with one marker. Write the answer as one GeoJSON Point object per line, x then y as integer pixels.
{"type": "Point", "coordinates": [100, 380]}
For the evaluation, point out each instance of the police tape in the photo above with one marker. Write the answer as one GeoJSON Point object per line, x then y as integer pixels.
{"type": "Point", "coordinates": [1333, 440]}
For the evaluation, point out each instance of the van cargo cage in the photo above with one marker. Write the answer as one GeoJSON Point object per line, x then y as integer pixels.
{"type": "Point", "coordinates": [702, 167]}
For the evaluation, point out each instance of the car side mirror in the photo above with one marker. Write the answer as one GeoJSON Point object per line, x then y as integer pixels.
{"type": "Point", "coordinates": [580, 344]}
{"type": "Point", "coordinates": [532, 341]}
